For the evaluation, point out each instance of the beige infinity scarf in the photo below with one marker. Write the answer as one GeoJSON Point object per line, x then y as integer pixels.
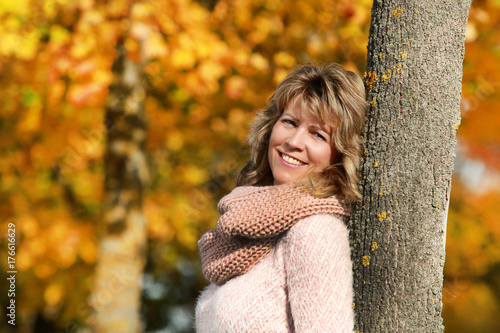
{"type": "Point", "coordinates": [252, 220]}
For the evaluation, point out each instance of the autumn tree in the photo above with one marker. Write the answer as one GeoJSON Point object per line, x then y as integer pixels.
{"type": "Point", "coordinates": [413, 77]}
{"type": "Point", "coordinates": [117, 292]}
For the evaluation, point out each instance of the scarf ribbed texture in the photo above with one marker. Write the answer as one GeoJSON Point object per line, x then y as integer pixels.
{"type": "Point", "coordinates": [252, 220]}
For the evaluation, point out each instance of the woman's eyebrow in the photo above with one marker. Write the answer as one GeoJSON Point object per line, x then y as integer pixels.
{"type": "Point", "coordinates": [323, 128]}
{"type": "Point", "coordinates": [289, 114]}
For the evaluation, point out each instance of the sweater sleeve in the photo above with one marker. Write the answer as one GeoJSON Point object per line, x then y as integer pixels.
{"type": "Point", "coordinates": [319, 275]}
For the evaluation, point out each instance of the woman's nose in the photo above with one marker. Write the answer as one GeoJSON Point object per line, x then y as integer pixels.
{"type": "Point", "coordinates": [296, 140]}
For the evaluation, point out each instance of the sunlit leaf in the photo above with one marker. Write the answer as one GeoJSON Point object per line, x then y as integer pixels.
{"type": "Point", "coordinates": [53, 293]}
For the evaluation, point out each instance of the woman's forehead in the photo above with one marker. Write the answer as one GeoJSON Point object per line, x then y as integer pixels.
{"type": "Point", "coordinates": [318, 110]}
{"type": "Point", "coordinates": [304, 111]}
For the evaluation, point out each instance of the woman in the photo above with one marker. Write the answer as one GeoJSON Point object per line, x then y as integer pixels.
{"type": "Point", "coordinates": [279, 258]}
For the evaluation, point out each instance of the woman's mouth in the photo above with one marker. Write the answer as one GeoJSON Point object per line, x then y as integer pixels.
{"type": "Point", "coordinates": [290, 160]}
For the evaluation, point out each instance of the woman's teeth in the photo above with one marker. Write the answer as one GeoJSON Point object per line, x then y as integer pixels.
{"type": "Point", "coordinates": [291, 160]}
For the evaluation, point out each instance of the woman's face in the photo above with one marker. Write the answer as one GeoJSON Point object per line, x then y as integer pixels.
{"type": "Point", "coordinates": [300, 144]}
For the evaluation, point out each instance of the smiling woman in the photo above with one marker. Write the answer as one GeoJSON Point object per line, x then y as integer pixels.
{"type": "Point", "coordinates": [330, 96]}
{"type": "Point", "coordinates": [279, 258]}
{"type": "Point", "coordinates": [300, 144]}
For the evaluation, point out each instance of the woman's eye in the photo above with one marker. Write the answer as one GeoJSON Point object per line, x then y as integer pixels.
{"type": "Point", "coordinates": [319, 136]}
{"type": "Point", "coordinates": [289, 122]}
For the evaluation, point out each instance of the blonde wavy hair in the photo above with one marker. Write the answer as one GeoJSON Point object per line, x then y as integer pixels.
{"type": "Point", "coordinates": [335, 96]}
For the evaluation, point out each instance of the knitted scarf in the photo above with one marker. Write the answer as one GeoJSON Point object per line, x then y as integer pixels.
{"type": "Point", "coordinates": [252, 221]}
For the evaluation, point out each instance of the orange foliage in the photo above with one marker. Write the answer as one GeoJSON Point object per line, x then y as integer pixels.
{"type": "Point", "coordinates": [207, 72]}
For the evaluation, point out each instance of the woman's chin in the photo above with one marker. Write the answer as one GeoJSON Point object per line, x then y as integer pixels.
{"type": "Point", "coordinates": [283, 180]}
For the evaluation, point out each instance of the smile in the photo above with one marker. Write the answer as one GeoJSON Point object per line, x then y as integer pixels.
{"type": "Point", "coordinates": [290, 160]}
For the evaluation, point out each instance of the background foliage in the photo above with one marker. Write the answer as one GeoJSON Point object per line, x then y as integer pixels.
{"type": "Point", "coordinates": [207, 73]}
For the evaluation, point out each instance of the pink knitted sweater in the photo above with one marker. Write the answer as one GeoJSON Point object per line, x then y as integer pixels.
{"type": "Point", "coordinates": [304, 284]}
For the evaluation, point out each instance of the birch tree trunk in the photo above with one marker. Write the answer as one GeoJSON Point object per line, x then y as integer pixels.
{"type": "Point", "coordinates": [413, 77]}
{"type": "Point", "coordinates": [117, 293]}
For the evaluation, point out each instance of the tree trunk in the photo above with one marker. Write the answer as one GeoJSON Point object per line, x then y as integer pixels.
{"type": "Point", "coordinates": [413, 77]}
{"type": "Point", "coordinates": [117, 292]}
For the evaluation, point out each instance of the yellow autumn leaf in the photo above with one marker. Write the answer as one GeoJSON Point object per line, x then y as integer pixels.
{"type": "Point", "coordinates": [209, 46]}
{"type": "Point", "coordinates": [259, 62]}
{"type": "Point", "coordinates": [140, 30]}
{"type": "Point", "coordinates": [9, 42]}
{"type": "Point", "coordinates": [49, 7]}
{"type": "Point", "coordinates": [53, 294]}
{"type": "Point", "coordinates": [83, 44]}
{"type": "Point", "coordinates": [79, 94]}
{"type": "Point", "coordinates": [186, 41]}
{"type": "Point", "coordinates": [279, 74]}
{"type": "Point", "coordinates": [155, 46]}
{"type": "Point", "coordinates": [158, 226]}
{"type": "Point", "coordinates": [64, 255]}
{"type": "Point", "coordinates": [314, 45]}
{"type": "Point", "coordinates": [167, 24]}
{"type": "Point", "coordinates": [175, 140]}
{"type": "Point", "coordinates": [237, 118]}
{"type": "Point", "coordinates": [58, 231]}
{"type": "Point", "coordinates": [240, 57]}
{"type": "Point", "coordinates": [44, 269]}
{"type": "Point", "coordinates": [117, 8]}
{"type": "Point", "coordinates": [141, 10]}
{"type": "Point", "coordinates": [37, 246]}
{"type": "Point", "coordinates": [305, 9]}
{"type": "Point", "coordinates": [131, 45]}
{"type": "Point", "coordinates": [243, 17]}
{"type": "Point", "coordinates": [284, 59]}
{"type": "Point", "coordinates": [28, 47]}
{"type": "Point", "coordinates": [31, 120]}
{"type": "Point", "coordinates": [182, 59]}
{"type": "Point", "coordinates": [235, 86]}
{"type": "Point", "coordinates": [56, 92]}
{"type": "Point", "coordinates": [196, 13]}
{"type": "Point", "coordinates": [18, 7]}
{"type": "Point", "coordinates": [92, 17]}
{"type": "Point", "coordinates": [211, 71]}
{"type": "Point", "coordinates": [187, 237]}
{"type": "Point", "coordinates": [197, 86]}
{"type": "Point", "coordinates": [198, 113]}
{"type": "Point", "coordinates": [194, 175]}
{"type": "Point", "coordinates": [350, 66]}
{"type": "Point", "coordinates": [12, 24]}
{"type": "Point", "coordinates": [262, 27]}
{"type": "Point", "coordinates": [102, 76]}
{"type": "Point", "coordinates": [85, 184]}
{"type": "Point", "coordinates": [471, 33]}
{"type": "Point", "coordinates": [349, 31]}
{"type": "Point", "coordinates": [25, 258]}
{"type": "Point", "coordinates": [88, 250]}
{"type": "Point", "coordinates": [28, 226]}
{"type": "Point", "coordinates": [218, 125]}
{"type": "Point", "coordinates": [82, 4]}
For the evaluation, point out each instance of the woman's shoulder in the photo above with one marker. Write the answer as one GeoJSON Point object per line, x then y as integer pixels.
{"type": "Point", "coordinates": [318, 226]}
{"type": "Point", "coordinates": [320, 223]}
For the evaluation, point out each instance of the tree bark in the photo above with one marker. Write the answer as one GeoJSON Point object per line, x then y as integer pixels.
{"type": "Point", "coordinates": [413, 77]}
{"type": "Point", "coordinates": [116, 297]}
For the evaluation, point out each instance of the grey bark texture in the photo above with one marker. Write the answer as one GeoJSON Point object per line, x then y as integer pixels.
{"type": "Point", "coordinates": [117, 285]}
{"type": "Point", "coordinates": [413, 77]}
